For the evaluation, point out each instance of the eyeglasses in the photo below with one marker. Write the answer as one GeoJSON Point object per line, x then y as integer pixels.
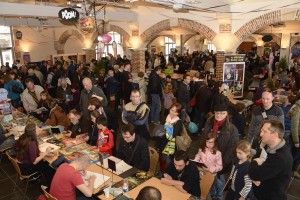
{"type": "Point", "coordinates": [209, 142]}
{"type": "Point", "coordinates": [220, 113]}
{"type": "Point", "coordinates": [126, 137]}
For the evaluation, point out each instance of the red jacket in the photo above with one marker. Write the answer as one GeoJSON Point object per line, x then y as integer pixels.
{"type": "Point", "coordinates": [107, 141]}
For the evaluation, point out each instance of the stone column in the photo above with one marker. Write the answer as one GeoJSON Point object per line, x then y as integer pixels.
{"type": "Point", "coordinates": [90, 54]}
{"type": "Point", "coordinates": [220, 61]}
{"type": "Point", "coordinates": [138, 60]}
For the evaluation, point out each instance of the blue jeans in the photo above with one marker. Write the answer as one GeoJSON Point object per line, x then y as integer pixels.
{"type": "Point", "coordinates": [217, 187]}
{"type": "Point", "coordinates": [155, 107]}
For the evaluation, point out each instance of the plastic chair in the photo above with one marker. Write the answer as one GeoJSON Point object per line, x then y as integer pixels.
{"type": "Point", "coordinates": [47, 194]}
{"type": "Point", "coordinates": [153, 161]}
{"type": "Point", "coordinates": [19, 173]}
{"type": "Point", "coordinates": [206, 181]}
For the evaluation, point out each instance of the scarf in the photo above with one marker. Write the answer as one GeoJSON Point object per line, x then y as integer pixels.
{"type": "Point", "coordinates": [169, 120]}
{"type": "Point", "coordinates": [217, 125]}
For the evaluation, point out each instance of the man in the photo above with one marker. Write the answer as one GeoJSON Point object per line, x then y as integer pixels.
{"type": "Point", "coordinates": [182, 174]}
{"type": "Point", "coordinates": [89, 91]}
{"type": "Point", "coordinates": [31, 95]}
{"type": "Point", "coordinates": [267, 111]}
{"type": "Point", "coordinates": [136, 113]}
{"type": "Point", "coordinates": [183, 94]}
{"type": "Point", "coordinates": [63, 92]}
{"type": "Point", "coordinates": [149, 193]}
{"type": "Point", "coordinates": [155, 91]}
{"type": "Point", "coordinates": [79, 125]}
{"type": "Point", "coordinates": [68, 178]}
{"type": "Point", "coordinates": [126, 83]}
{"type": "Point", "coordinates": [133, 149]}
{"type": "Point", "coordinates": [227, 138]}
{"type": "Point", "coordinates": [32, 76]}
{"type": "Point", "coordinates": [271, 168]}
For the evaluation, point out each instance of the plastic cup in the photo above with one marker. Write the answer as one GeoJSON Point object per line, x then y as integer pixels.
{"type": "Point", "coordinates": [106, 192]}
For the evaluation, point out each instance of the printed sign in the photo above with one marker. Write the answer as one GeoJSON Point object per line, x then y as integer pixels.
{"type": "Point", "coordinates": [68, 14]}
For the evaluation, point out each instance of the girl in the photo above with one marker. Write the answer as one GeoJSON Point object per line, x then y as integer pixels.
{"type": "Point", "coordinates": [209, 155]}
{"type": "Point", "coordinates": [28, 155]}
{"type": "Point", "coordinates": [105, 142]}
{"type": "Point", "coordinates": [168, 98]}
{"type": "Point", "coordinates": [93, 135]}
{"type": "Point", "coordinates": [240, 182]}
{"type": "Point", "coordinates": [45, 102]}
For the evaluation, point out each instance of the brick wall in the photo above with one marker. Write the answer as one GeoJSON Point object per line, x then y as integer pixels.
{"type": "Point", "coordinates": [225, 28]}
{"type": "Point", "coordinates": [138, 61]}
{"type": "Point", "coordinates": [90, 54]}
{"type": "Point", "coordinates": [258, 23]}
{"type": "Point", "coordinates": [219, 69]}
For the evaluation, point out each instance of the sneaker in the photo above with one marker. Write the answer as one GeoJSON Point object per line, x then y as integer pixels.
{"type": "Point", "coordinates": [296, 174]}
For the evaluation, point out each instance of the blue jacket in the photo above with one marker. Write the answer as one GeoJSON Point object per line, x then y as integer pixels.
{"type": "Point", "coordinates": [8, 86]}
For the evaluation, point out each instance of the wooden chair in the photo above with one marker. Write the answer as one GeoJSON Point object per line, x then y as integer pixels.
{"type": "Point", "coordinates": [47, 194]}
{"type": "Point", "coordinates": [19, 173]}
{"type": "Point", "coordinates": [2, 151]}
{"type": "Point", "coordinates": [153, 161]}
{"type": "Point", "coordinates": [206, 181]}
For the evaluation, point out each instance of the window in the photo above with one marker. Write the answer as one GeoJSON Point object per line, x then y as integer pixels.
{"type": "Point", "coordinates": [6, 44]}
{"type": "Point", "coordinates": [107, 48]}
{"type": "Point", "coordinates": [211, 46]}
{"type": "Point", "coordinates": [169, 46]}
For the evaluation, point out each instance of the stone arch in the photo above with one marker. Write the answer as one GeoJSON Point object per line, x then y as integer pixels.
{"type": "Point", "coordinates": [117, 29]}
{"type": "Point", "coordinates": [154, 30]}
{"type": "Point", "coordinates": [258, 23]}
{"type": "Point", "coordinates": [65, 36]}
{"type": "Point", "coordinates": [187, 38]}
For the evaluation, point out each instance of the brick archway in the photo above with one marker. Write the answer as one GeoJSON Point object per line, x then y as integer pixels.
{"type": "Point", "coordinates": [65, 36]}
{"type": "Point", "coordinates": [258, 23]}
{"type": "Point", "coordinates": [154, 30]}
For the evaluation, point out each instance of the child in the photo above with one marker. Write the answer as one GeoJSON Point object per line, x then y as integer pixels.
{"type": "Point", "coordinates": [209, 155]}
{"type": "Point", "coordinates": [44, 102]}
{"type": "Point", "coordinates": [241, 183]}
{"type": "Point", "coordinates": [168, 98]}
{"type": "Point", "coordinates": [105, 142]}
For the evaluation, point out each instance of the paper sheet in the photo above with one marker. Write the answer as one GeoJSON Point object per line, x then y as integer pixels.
{"type": "Point", "coordinates": [44, 146]}
{"type": "Point", "coordinates": [100, 178]}
{"type": "Point", "coordinates": [121, 166]}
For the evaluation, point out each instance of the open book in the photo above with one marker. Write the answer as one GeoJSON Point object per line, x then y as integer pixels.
{"type": "Point", "coordinates": [42, 109]}
{"type": "Point", "coordinates": [198, 164]}
{"type": "Point", "coordinates": [100, 178]}
{"type": "Point", "coordinates": [44, 146]}
{"type": "Point", "coordinates": [121, 166]}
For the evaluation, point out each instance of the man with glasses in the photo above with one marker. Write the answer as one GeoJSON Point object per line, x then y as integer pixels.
{"type": "Point", "coordinates": [265, 112]}
{"type": "Point", "coordinates": [133, 149]}
{"type": "Point", "coordinates": [182, 174]}
{"type": "Point", "coordinates": [136, 113]}
{"type": "Point", "coordinates": [227, 138]}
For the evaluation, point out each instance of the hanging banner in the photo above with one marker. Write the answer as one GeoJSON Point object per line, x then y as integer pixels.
{"type": "Point", "coordinates": [104, 38]}
{"type": "Point", "coordinates": [68, 14]}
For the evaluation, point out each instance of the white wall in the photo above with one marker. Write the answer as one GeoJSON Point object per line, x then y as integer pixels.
{"type": "Point", "coordinates": [41, 44]}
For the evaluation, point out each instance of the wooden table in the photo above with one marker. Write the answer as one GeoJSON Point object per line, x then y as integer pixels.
{"type": "Point", "coordinates": [168, 192]}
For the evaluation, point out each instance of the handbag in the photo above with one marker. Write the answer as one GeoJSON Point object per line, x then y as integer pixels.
{"type": "Point", "coordinates": [132, 116]}
{"type": "Point", "coordinates": [184, 141]}
{"type": "Point", "coordinates": [159, 131]}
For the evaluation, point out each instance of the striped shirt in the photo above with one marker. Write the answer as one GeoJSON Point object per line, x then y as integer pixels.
{"type": "Point", "coordinates": [244, 177]}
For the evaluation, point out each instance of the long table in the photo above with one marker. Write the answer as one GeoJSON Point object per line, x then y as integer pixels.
{"type": "Point", "coordinates": [168, 192]}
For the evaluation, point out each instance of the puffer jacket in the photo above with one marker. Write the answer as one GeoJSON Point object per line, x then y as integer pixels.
{"type": "Point", "coordinates": [294, 115]}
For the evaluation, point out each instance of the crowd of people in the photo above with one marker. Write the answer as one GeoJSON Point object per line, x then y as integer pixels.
{"type": "Point", "coordinates": [98, 106]}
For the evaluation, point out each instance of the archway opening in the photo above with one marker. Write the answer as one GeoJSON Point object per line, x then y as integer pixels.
{"type": "Point", "coordinates": [114, 47]}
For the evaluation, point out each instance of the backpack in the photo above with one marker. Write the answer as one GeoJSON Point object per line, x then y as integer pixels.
{"type": "Point", "coordinates": [135, 86]}
{"type": "Point", "coordinates": [132, 116]}
{"type": "Point", "coordinates": [16, 89]}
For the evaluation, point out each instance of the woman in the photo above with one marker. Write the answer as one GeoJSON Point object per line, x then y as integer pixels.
{"type": "Point", "coordinates": [57, 116]}
{"type": "Point", "coordinates": [93, 135]}
{"type": "Point", "coordinates": [14, 94]}
{"type": "Point", "coordinates": [28, 155]}
{"type": "Point", "coordinates": [44, 103]}
{"type": "Point", "coordinates": [173, 127]}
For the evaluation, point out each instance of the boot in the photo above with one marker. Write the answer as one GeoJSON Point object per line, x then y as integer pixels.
{"type": "Point", "coordinates": [296, 174]}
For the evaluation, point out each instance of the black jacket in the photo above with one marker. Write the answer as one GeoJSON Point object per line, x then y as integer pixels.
{"type": "Point", "coordinates": [227, 139]}
{"type": "Point", "coordinates": [155, 83]}
{"type": "Point", "coordinates": [274, 174]}
{"type": "Point", "coordinates": [141, 157]}
{"type": "Point", "coordinates": [203, 99]}
{"type": "Point", "coordinates": [183, 95]}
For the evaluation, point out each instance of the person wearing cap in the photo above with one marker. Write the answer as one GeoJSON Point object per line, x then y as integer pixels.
{"type": "Point", "coordinates": [265, 112]}
{"type": "Point", "coordinates": [227, 138]}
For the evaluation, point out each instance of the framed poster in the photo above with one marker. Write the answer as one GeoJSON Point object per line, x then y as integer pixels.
{"type": "Point", "coordinates": [234, 74]}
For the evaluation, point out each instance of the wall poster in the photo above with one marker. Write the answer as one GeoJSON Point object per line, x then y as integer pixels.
{"type": "Point", "coordinates": [233, 74]}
